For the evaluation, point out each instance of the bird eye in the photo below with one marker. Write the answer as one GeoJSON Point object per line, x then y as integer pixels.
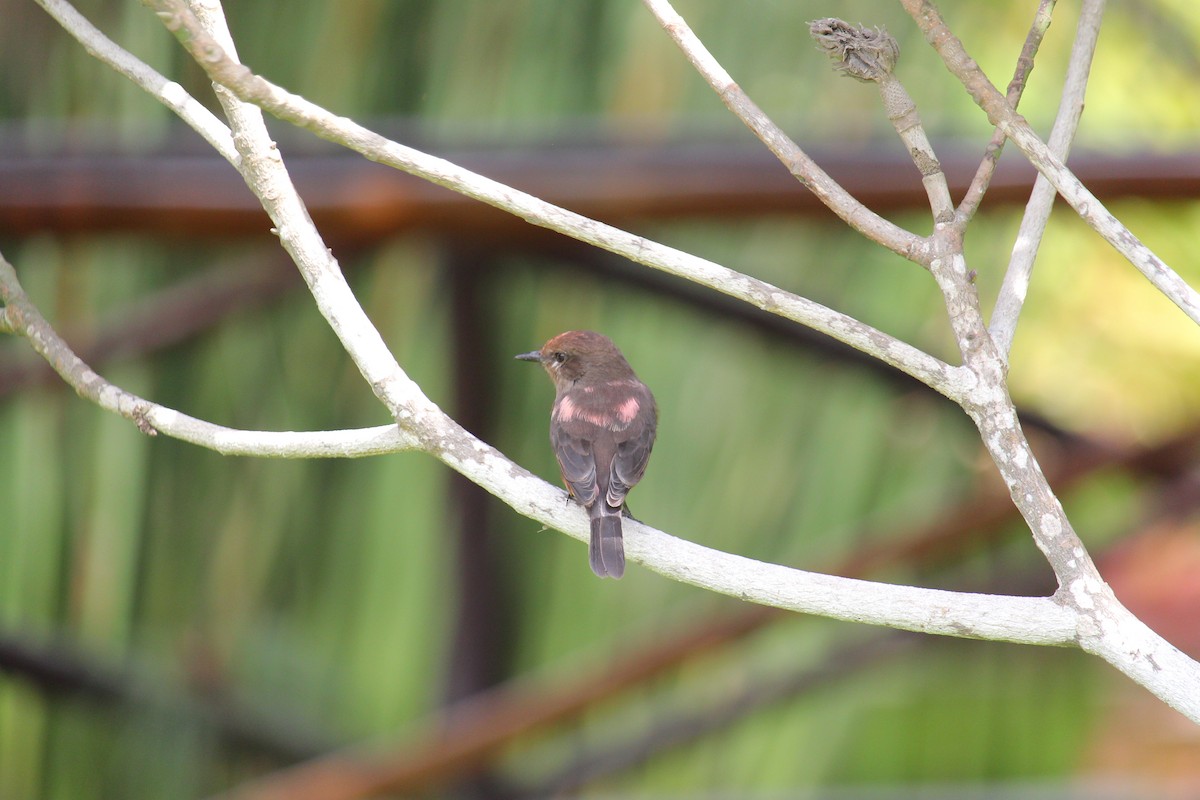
{"type": "Point", "coordinates": [560, 357]}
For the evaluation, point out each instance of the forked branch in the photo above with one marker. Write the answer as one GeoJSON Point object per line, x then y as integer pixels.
{"type": "Point", "coordinates": [1014, 126]}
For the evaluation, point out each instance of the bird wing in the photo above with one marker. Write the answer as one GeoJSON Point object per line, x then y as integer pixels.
{"type": "Point", "coordinates": [629, 463]}
{"type": "Point", "coordinates": [576, 464]}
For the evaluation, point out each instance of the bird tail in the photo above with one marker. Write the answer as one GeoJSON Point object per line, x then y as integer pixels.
{"type": "Point", "coordinates": [606, 551]}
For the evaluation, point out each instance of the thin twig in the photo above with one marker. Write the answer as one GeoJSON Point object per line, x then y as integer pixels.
{"type": "Point", "coordinates": [1037, 212]}
{"type": "Point", "coordinates": [153, 418]}
{"type": "Point", "coordinates": [841, 202]}
{"type": "Point", "coordinates": [169, 93]}
{"type": "Point", "coordinates": [1016, 87]}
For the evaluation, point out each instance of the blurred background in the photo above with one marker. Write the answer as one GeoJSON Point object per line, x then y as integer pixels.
{"type": "Point", "coordinates": [175, 623]}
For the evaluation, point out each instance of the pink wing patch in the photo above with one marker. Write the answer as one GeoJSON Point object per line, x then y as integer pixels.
{"type": "Point", "coordinates": [628, 410]}
{"type": "Point", "coordinates": [566, 410]}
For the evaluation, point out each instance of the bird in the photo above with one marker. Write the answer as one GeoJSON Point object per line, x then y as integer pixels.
{"type": "Point", "coordinates": [602, 428]}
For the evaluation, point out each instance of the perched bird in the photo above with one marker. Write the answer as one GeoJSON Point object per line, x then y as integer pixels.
{"type": "Point", "coordinates": [602, 429]}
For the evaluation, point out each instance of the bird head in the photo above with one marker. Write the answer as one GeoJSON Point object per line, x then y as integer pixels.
{"type": "Point", "coordinates": [580, 355]}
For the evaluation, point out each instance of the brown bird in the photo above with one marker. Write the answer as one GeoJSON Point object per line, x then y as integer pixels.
{"type": "Point", "coordinates": [602, 429]}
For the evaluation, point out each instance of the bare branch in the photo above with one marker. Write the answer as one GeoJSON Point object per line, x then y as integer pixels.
{"type": "Point", "coordinates": [261, 165]}
{"type": "Point", "coordinates": [1016, 87]}
{"type": "Point", "coordinates": [152, 418]}
{"type": "Point", "coordinates": [169, 93]}
{"type": "Point", "coordinates": [1037, 212]}
{"type": "Point", "coordinates": [1106, 628]}
{"type": "Point", "coordinates": [870, 55]}
{"type": "Point", "coordinates": [1089, 208]}
{"type": "Point", "coordinates": [527, 494]}
{"type": "Point", "coordinates": [1039, 620]}
{"type": "Point", "coordinates": [841, 202]}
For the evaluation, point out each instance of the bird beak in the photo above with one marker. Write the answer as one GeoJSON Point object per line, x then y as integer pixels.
{"type": "Point", "coordinates": [536, 355]}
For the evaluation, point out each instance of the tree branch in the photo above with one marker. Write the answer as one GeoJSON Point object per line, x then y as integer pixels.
{"type": "Point", "coordinates": [1106, 625]}
{"type": "Point", "coordinates": [151, 418]}
{"type": "Point", "coordinates": [169, 93]}
{"type": "Point", "coordinates": [1016, 87]}
{"type": "Point", "coordinates": [1037, 212]}
{"type": "Point", "coordinates": [841, 202]}
{"type": "Point", "coordinates": [870, 56]}
{"type": "Point", "coordinates": [1032, 620]}
{"type": "Point", "coordinates": [1083, 611]}
{"type": "Point", "coordinates": [1107, 628]}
